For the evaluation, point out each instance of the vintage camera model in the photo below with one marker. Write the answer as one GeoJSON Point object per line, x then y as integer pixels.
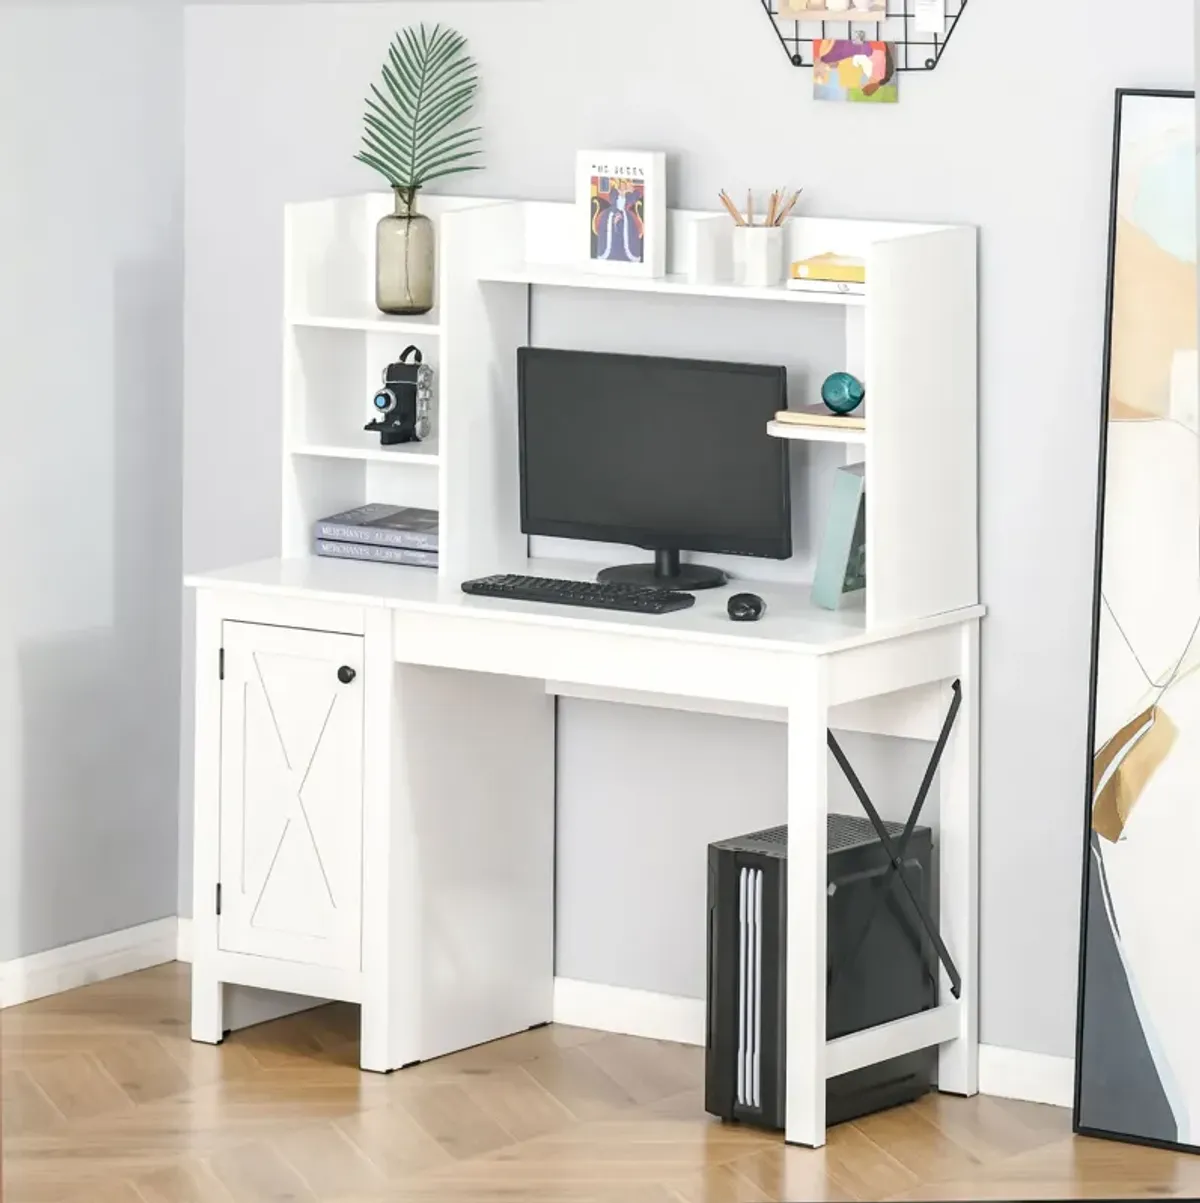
{"type": "Point", "coordinates": [403, 403]}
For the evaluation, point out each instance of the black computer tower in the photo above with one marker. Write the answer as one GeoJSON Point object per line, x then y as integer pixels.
{"type": "Point", "coordinates": [872, 978]}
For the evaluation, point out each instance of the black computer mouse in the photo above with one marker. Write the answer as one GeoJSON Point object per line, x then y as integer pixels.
{"type": "Point", "coordinates": [746, 607]}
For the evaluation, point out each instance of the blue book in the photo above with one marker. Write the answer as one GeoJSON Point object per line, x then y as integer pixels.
{"type": "Point", "coordinates": [384, 525]}
{"type": "Point", "coordinates": [842, 561]}
{"type": "Point", "coordinates": [376, 552]}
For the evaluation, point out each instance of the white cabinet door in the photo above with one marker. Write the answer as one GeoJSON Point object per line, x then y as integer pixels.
{"type": "Point", "coordinates": [291, 795]}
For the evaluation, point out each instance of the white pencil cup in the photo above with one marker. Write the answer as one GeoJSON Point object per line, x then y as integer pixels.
{"type": "Point", "coordinates": [758, 256]}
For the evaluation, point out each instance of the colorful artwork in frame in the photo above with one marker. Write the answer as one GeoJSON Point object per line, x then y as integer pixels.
{"type": "Point", "coordinates": [1137, 1055]}
{"type": "Point", "coordinates": [622, 204]}
{"type": "Point", "coordinates": [618, 226]}
{"type": "Point", "coordinates": [855, 72]}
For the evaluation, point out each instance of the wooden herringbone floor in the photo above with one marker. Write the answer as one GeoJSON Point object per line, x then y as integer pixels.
{"type": "Point", "coordinates": [107, 1101]}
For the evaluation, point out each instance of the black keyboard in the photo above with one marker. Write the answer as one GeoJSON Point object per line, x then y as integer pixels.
{"type": "Point", "coordinates": [636, 599]}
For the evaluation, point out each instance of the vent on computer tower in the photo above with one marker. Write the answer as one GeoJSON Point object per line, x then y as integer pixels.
{"type": "Point", "coordinates": [749, 1092]}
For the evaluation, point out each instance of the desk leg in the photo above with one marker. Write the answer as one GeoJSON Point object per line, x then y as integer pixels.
{"type": "Point", "coordinates": [388, 942]}
{"type": "Point", "coordinates": [208, 1005]}
{"type": "Point", "coordinates": [807, 883]}
{"type": "Point", "coordinates": [958, 1061]}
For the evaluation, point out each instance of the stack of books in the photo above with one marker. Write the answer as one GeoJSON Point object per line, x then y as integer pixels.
{"type": "Point", "coordinates": [829, 273]}
{"type": "Point", "coordinates": [822, 415]}
{"type": "Point", "coordinates": [389, 534]}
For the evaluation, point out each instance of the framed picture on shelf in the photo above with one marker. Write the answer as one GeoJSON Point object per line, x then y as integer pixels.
{"type": "Point", "coordinates": [1137, 1060]}
{"type": "Point", "coordinates": [622, 201]}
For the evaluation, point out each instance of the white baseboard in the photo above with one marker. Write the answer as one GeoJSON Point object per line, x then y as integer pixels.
{"type": "Point", "coordinates": [1010, 1073]}
{"type": "Point", "coordinates": [1007, 1073]}
{"type": "Point", "coordinates": [628, 1012]}
{"type": "Point", "coordinates": [183, 947]}
{"type": "Point", "coordinates": [95, 960]}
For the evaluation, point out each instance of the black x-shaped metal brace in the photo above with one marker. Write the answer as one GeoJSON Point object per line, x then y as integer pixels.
{"type": "Point", "coordinates": [896, 852]}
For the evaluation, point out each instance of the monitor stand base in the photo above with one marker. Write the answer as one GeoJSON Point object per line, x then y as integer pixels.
{"type": "Point", "coordinates": [665, 573]}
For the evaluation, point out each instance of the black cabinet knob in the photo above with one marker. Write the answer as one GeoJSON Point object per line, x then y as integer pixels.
{"type": "Point", "coordinates": [346, 674]}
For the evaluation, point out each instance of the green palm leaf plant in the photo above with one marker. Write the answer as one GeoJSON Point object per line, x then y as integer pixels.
{"type": "Point", "coordinates": [412, 133]}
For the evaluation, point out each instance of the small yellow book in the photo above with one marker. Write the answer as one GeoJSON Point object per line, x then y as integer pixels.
{"type": "Point", "coordinates": [818, 415]}
{"type": "Point", "coordinates": [840, 269]}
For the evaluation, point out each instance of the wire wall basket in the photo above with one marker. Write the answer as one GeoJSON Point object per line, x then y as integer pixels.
{"type": "Point", "coordinates": [914, 50]}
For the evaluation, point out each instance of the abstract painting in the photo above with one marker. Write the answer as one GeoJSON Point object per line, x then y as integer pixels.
{"type": "Point", "coordinates": [1138, 1054]}
{"type": "Point", "coordinates": [857, 72]}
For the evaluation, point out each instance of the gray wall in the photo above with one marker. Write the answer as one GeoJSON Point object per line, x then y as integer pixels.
{"type": "Point", "coordinates": [1002, 135]}
{"type": "Point", "coordinates": [91, 242]}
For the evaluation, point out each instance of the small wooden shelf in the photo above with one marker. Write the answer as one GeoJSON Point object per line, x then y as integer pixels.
{"type": "Point", "coordinates": [560, 276]}
{"type": "Point", "coordinates": [855, 16]}
{"type": "Point", "coordinates": [426, 453]}
{"type": "Point", "coordinates": [369, 323]}
{"type": "Point", "coordinates": [815, 434]}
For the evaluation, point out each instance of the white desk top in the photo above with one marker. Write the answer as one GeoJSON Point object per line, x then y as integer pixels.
{"type": "Point", "coordinates": [791, 623]}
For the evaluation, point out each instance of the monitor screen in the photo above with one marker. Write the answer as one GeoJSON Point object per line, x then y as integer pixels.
{"type": "Point", "coordinates": [656, 453]}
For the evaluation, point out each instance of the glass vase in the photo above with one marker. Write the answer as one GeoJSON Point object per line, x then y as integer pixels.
{"type": "Point", "coordinates": [405, 255]}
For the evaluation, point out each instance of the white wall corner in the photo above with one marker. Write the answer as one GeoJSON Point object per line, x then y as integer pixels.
{"type": "Point", "coordinates": [95, 960]}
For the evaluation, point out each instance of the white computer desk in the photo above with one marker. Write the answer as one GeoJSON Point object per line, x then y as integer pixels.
{"type": "Point", "coordinates": [458, 749]}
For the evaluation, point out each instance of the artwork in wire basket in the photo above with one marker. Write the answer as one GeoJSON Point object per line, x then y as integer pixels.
{"type": "Point", "coordinates": [622, 211]}
{"type": "Point", "coordinates": [856, 72]}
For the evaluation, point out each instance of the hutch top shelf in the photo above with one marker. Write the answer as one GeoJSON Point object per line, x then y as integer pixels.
{"type": "Point", "coordinates": [911, 337]}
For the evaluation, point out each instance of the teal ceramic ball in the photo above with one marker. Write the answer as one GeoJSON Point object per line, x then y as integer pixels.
{"type": "Point", "coordinates": [843, 393]}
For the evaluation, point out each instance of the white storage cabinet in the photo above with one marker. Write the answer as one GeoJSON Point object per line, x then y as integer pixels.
{"type": "Point", "coordinates": [291, 795]}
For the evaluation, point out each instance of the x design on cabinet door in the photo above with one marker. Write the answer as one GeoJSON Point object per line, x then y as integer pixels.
{"type": "Point", "coordinates": [291, 795]}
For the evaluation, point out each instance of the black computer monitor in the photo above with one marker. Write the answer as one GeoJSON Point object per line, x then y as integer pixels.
{"type": "Point", "coordinates": [665, 454]}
